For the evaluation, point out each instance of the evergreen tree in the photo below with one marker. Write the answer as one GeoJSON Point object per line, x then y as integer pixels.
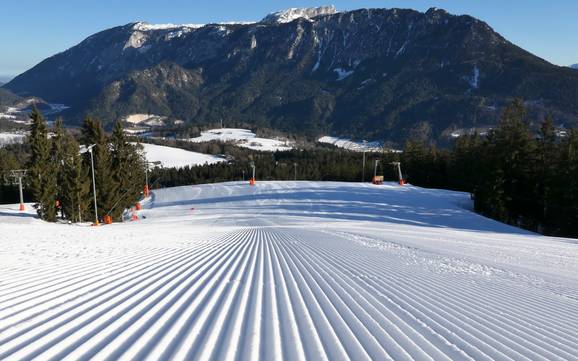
{"type": "Point", "coordinates": [424, 164]}
{"type": "Point", "coordinates": [546, 180]}
{"type": "Point", "coordinates": [127, 165]}
{"type": "Point", "coordinates": [512, 149]}
{"type": "Point", "coordinates": [567, 212]}
{"type": "Point", "coordinates": [76, 198]}
{"type": "Point", "coordinates": [466, 163]}
{"type": "Point", "coordinates": [8, 191]}
{"type": "Point", "coordinates": [42, 168]}
{"type": "Point", "coordinates": [106, 185]}
{"type": "Point", "coordinates": [59, 158]}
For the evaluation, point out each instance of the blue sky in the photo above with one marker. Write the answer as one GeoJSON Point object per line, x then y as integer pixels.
{"type": "Point", "coordinates": [35, 29]}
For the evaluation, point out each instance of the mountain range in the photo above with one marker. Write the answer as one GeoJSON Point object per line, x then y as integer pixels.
{"type": "Point", "coordinates": [370, 73]}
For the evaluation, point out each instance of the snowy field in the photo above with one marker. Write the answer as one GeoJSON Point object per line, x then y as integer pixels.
{"type": "Point", "coordinates": [242, 138]}
{"type": "Point", "coordinates": [352, 145]}
{"type": "Point", "coordinates": [288, 271]}
{"type": "Point", "coordinates": [178, 158]}
{"type": "Point", "coordinates": [7, 138]}
{"type": "Point", "coordinates": [150, 120]}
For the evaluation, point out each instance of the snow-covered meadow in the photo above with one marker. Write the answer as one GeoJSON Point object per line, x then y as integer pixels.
{"type": "Point", "coordinates": [170, 157]}
{"type": "Point", "coordinates": [243, 138]}
{"type": "Point", "coordinates": [288, 270]}
{"type": "Point", "coordinates": [7, 138]}
{"type": "Point", "coordinates": [351, 144]}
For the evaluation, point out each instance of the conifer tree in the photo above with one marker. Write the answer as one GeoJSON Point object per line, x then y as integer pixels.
{"type": "Point", "coordinates": [106, 185]}
{"type": "Point", "coordinates": [127, 166]}
{"type": "Point", "coordinates": [418, 159]}
{"type": "Point", "coordinates": [512, 152]}
{"type": "Point", "coordinates": [76, 198]}
{"type": "Point", "coordinates": [568, 187]}
{"type": "Point", "coordinates": [8, 162]}
{"type": "Point", "coordinates": [547, 163]}
{"type": "Point", "coordinates": [59, 158]}
{"type": "Point", "coordinates": [466, 163]}
{"type": "Point", "coordinates": [42, 168]}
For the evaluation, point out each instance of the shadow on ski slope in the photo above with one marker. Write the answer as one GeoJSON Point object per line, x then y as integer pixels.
{"type": "Point", "coordinates": [337, 201]}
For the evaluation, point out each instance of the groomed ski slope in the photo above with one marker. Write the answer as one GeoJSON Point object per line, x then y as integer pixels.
{"type": "Point", "coordinates": [288, 271]}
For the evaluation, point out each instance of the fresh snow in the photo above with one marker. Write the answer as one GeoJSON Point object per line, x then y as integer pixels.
{"type": "Point", "coordinates": [242, 138]}
{"type": "Point", "coordinates": [177, 158]}
{"type": "Point", "coordinates": [288, 270]}
{"type": "Point", "coordinates": [352, 145]}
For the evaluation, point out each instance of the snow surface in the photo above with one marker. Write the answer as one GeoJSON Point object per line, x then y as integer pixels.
{"type": "Point", "coordinates": [181, 28]}
{"type": "Point", "coordinates": [288, 270]}
{"type": "Point", "coordinates": [151, 120]}
{"type": "Point", "coordinates": [289, 15]}
{"type": "Point", "coordinates": [342, 73]}
{"type": "Point", "coordinates": [11, 138]}
{"type": "Point", "coordinates": [243, 138]}
{"type": "Point", "coordinates": [19, 113]}
{"type": "Point", "coordinates": [475, 79]}
{"type": "Point", "coordinates": [177, 158]}
{"type": "Point", "coordinates": [352, 145]}
{"type": "Point", "coordinates": [9, 116]}
{"type": "Point", "coordinates": [143, 26]}
{"type": "Point", "coordinates": [143, 132]}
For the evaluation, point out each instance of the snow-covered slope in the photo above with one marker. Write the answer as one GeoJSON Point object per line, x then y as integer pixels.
{"type": "Point", "coordinates": [352, 145]}
{"type": "Point", "coordinates": [11, 138]}
{"type": "Point", "coordinates": [150, 120]}
{"type": "Point", "coordinates": [243, 138]}
{"type": "Point", "coordinates": [288, 15]}
{"type": "Point", "coordinates": [292, 271]}
{"type": "Point", "coordinates": [178, 158]}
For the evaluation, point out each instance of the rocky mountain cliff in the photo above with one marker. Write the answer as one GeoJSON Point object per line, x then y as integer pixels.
{"type": "Point", "coordinates": [370, 73]}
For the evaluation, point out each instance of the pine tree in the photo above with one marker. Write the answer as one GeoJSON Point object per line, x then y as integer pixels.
{"type": "Point", "coordinates": [466, 162]}
{"type": "Point", "coordinates": [547, 163]}
{"type": "Point", "coordinates": [76, 183]}
{"type": "Point", "coordinates": [419, 162]}
{"type": "Point", "coordinates": [8, 162]}
{"type": "Point", "coordinates": [106, 186]}
{"type": "Point", "coordinates": [127, 171]}
{"type": "Point", "coordinates": [59, 158]}
{"type": "Point", "coordinates": [43, 179]}
{"type": "Point", "coordinates": [512, 152]}
{"type": "Point", "coordinates": [568, 187]}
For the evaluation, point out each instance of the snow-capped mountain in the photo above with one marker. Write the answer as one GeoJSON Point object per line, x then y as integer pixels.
{"type": "Point", "coordinates": [289, 15]}
{"type": "Point", "coordinates": [575, 66]}
{"type": "Point", "coordinates": [364, 74]}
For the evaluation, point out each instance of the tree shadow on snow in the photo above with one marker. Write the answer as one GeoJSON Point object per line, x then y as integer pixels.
{"type": "Point", "coordinates": [409, 206]}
